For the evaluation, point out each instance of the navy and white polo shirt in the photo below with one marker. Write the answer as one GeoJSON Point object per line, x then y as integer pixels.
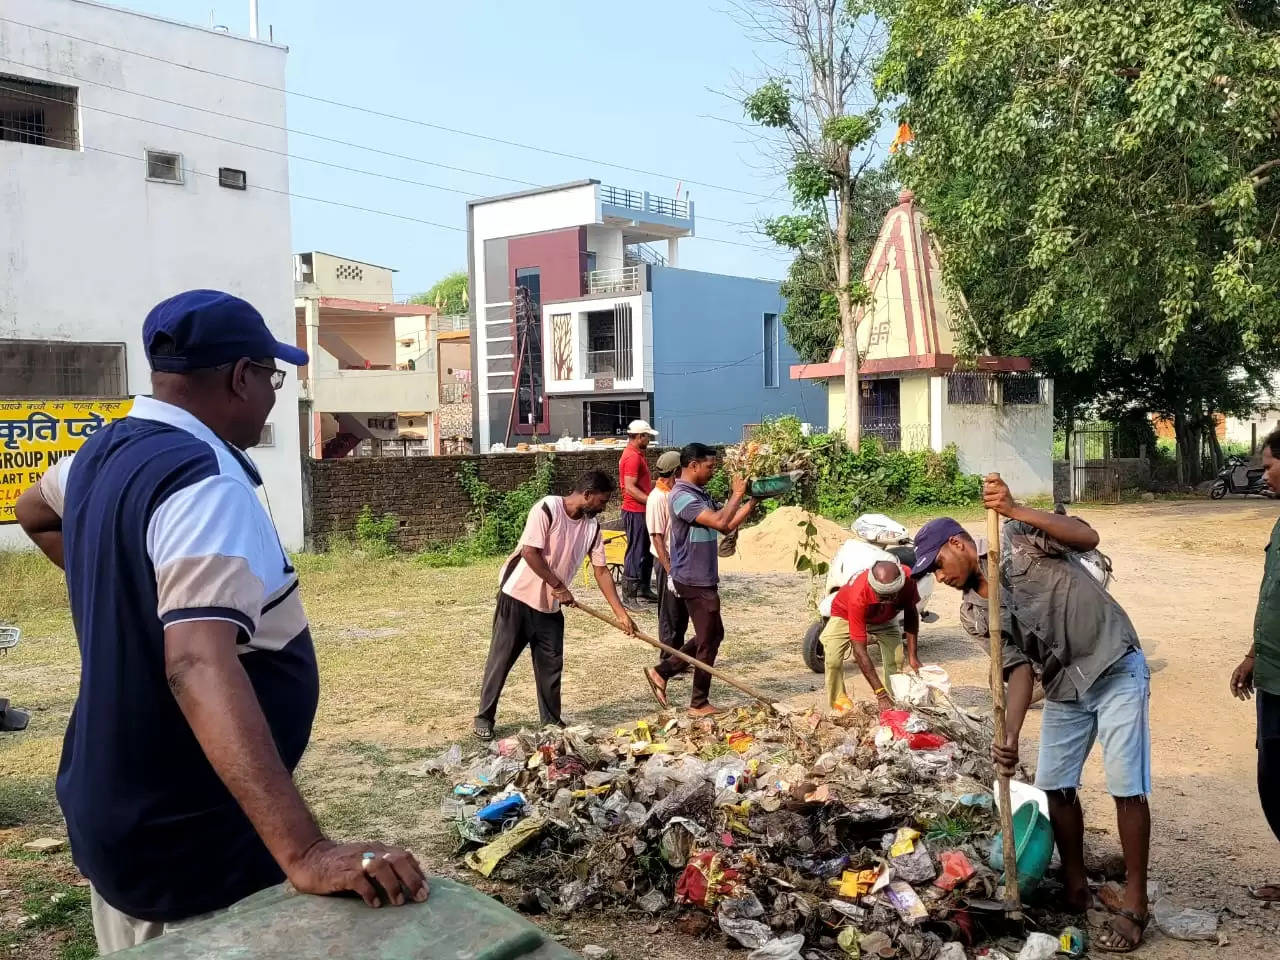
{"type": "Point", "coordinates": [162, 524]}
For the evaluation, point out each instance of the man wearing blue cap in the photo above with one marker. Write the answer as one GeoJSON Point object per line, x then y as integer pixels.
{"type": "Point", "coordinates": [198, 679]}
{"type": "Point", "coordinates": [1057, 620]}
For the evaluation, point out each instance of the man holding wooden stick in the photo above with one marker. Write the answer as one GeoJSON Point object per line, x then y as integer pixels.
{"type": "Point", "coordinates": [1058, 621]}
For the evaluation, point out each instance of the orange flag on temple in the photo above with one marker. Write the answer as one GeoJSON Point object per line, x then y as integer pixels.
{"type": "Point", "coordinates": [904, 136]}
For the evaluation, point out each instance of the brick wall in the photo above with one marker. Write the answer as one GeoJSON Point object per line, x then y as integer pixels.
{"type": "Point", "coordinates": [424, 493]}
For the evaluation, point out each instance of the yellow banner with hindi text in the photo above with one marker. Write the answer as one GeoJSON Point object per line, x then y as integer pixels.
{"type": "Point", "coordinates": [35, 434]}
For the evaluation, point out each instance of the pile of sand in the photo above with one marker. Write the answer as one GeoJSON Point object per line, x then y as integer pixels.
{"type": "Point", "coordinates": [770, 546]}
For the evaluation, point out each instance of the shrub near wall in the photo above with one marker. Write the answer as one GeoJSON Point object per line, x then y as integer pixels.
{"type": "Point", "coordinates": [424, 493]}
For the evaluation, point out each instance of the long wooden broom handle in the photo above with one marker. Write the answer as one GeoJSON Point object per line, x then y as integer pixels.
{"type": "Point", "coordinates": [698, 664]}
{"type": "Point", "coordinates": [1012, 897]}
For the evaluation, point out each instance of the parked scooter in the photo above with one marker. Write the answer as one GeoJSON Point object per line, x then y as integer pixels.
{"type": "Point", "coordinates": [1236, 476]}
{"type": "Point", "coordinates": [877, 538]}
{"type": "Point", "coordinates": [11, 718]}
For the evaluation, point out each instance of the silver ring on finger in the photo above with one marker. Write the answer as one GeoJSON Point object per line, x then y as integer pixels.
{"type": "Point", "coordinates": [366, 859]}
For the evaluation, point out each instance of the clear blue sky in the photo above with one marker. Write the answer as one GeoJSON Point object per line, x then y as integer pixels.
{"type": "Point", "coordinates": [627, 83]}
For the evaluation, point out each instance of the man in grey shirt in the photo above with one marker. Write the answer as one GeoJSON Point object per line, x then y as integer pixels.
{"type": "Point", "coordinates": [1059, 622]}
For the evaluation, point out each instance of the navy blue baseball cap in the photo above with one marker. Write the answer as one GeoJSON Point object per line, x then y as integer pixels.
{"type": "Point", "coordinates": [930, 539]}
{"type": "Point", "coordinates": [207, 328]}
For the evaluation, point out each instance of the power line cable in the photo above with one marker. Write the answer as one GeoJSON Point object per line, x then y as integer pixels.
{"type": "Point", "coordinates": [301, 133]}
{"type": "Point", "coordinates": [251, 146]}
{"type": "Point", "coordinates": [390, 116]}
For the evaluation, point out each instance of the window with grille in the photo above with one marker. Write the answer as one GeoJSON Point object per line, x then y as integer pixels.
{"type": "Point", "coordinates": [268, 437]}
{"type": "Point", "coordinates": [971, 388]}
{"type": "Point", "coordinates": [232, 178]}
{"type": "Point", "coordinates": [1020, 388]}
{"type": "Point", "coordinates": [42, 114]}
{"type": "Point", "coordinates": [164, 167]}
{"type": "Point", "coordinates": [349, 271]}
{"type": "Point", "coordinates": [44, 369]}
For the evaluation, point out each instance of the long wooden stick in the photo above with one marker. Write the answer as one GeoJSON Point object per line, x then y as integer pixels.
{"type": "Point", "coordinates": [1012, 897]}
{"type": "Point", "coordinates": [697, 664]}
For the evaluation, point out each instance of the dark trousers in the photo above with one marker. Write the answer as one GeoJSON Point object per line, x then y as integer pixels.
{"type": "Point", "coordinates": [673, 616]}
{"type": "Point", "coordinates": [517, 625]}
{"type": "Point", "coordinates": [703, 604]}
{"type": "Point", "coordinates": [638, 563]}
{"type": "Point", "coordinates": [1269, 757]}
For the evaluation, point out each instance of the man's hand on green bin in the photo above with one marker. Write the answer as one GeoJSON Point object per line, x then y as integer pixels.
{"type": "Point", "coordinates": [380, 874]}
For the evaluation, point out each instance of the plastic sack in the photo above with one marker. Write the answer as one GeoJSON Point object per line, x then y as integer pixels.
{"type": "Point", "coordinates": [877, 528]}
{"type": "Point", "coordinates": [783, 948]}
{"type": "Point", "coordinates": [908, 689]}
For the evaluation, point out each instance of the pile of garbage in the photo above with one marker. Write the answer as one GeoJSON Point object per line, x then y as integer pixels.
{"type": "Point", "coordinates": [799, 835]}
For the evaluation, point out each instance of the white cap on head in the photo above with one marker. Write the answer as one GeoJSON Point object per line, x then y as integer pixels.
{"type": "Point", "coordinates": [636, 427]}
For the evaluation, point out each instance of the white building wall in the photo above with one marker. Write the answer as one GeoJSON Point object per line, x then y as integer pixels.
{"type": "Point", "coordinates": [88, 245]}
{"type": "Point", "coordinates": [606, 243]}
{"type": "Point", "coordinates": [534, 213]}
{"type": "Point", "coordinates": [1014, 440]}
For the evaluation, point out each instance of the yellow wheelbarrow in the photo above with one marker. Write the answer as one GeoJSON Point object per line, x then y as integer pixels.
{"type": "Point", "coordinates": [615, 552]}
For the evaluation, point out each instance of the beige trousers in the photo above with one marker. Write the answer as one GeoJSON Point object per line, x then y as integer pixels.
{"type": "Point", "coordinates": [836, 647]}
{"type": "Point", "coordinates": [116, 931]}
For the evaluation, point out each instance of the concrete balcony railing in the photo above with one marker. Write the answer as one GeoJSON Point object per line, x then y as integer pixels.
{"type": "Point", "coordinates": [618, 280]}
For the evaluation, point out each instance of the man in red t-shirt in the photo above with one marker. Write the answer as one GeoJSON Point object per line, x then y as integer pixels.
{"type": "Point", "coordinates": [633, 476]}
{"type": "Point", "coordinates": [870, 604]}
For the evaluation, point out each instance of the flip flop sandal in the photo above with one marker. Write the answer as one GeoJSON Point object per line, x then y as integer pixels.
{"type": "Point", "coordinates": [1256, 893]}
{"type": "Point", "coordinates": [483, 730]}
{"type": "Point", "coordinates": [1126, 945]}
{"type": "Point", "coordinates": [658, 692]}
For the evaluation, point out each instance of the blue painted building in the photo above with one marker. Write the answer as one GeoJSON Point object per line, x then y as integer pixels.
{"type": "Point", "coordinates": [721, 358]}
{"type": "Point", "coordinates": [580, 324]}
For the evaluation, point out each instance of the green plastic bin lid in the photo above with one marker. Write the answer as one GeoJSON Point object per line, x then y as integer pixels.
{"type": "Point", "coordinates": [456, 923]}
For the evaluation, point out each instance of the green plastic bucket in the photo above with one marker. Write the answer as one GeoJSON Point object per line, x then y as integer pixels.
{"type": "Point", "coordinates": [456, 923]}
{"type": "Point", "coordinates": [764, 488]}
{"type": "Point", "coordinates": [1033, 840]}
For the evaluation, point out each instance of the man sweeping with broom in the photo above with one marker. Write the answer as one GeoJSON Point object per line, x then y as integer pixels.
{"type": "Point", "coordinates": [1064, 624]}
{"type": "Point", "coordinates": [559, 533]}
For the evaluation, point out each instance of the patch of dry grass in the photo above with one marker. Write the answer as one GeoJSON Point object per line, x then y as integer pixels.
{"type": "Point", "coordinates": [401, 649]}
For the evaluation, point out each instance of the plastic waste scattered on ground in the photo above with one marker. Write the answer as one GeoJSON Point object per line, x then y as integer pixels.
{"type": "Point", "coordinates": [1073, 942]}
{"type": "Point", "coordinates": [848, 941]}
{"type": "Point", "coordinates": [781, 948]}
{"type": "Point", "coordinates": [956, 869]}
{"type": "Point", "coordinates": [951, 951]}
{"type": "Point", "coordinates": [784, 832]}
{"type": "Point", "coordinates": [484, 860]}
{"type": "Point", "coordinates": [1039, 946]}
{"type": "Point", "coordinates": [1184, 923]}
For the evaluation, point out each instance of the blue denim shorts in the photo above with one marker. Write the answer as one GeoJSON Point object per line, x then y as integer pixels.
{"type": "Point", "coordinates": [1115, 711]}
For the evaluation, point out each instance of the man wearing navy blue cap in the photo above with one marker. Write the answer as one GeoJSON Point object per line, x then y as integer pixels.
{"type": "Point", "coordinates": [198, 676]}
{"type": "Point", "coordinates": [1059, 621]}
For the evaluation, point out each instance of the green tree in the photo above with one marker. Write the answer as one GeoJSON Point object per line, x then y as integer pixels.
{"type": "Point", "coordinates": [812, 314]}
{"type": "Point", "coordinates": [449, 295]}
{"type": "Point", "coordinates": [820, 104]}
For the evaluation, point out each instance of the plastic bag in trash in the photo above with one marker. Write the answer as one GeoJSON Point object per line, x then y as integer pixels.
{"type": "Point", "coordinates": [653, 902]}
{"type": "Point", "coordinates": [450, 761]}
{"type": "Point", "coordinates": [751, 934]}
{"type": "Point", "coordinates": [783, 948]}
{"type": "Point", "coordinates": [1039, 946]}
{"type": "Point", "coordinates": [1183, 923]}
{"type": "Point", "coordinates": [745, 906]}
{"type": "Point", "coordinates": [951, 951]}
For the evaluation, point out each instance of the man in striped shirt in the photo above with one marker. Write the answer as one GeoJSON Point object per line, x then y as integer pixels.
{"type": "Point", "coordinates": [198, 679]}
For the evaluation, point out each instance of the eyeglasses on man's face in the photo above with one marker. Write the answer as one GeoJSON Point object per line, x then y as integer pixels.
{"type": "Point", "coordinates": [277, 375]}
